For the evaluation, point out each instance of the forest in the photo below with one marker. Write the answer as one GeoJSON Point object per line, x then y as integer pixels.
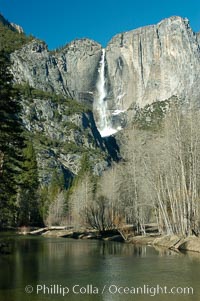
{"type": "Point", "coordinates": [157, 179]}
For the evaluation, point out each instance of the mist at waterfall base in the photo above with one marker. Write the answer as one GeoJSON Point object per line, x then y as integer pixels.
{"type": "Point", "coordinates": [104, 123]}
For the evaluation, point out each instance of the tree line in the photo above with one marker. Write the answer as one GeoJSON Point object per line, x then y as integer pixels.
{"type": "Point", "coordinates": [24, 200]}
{"type": "Point", "coordinates": [156, 181]}
{"type": "Point", "coordinates": [18, 167]}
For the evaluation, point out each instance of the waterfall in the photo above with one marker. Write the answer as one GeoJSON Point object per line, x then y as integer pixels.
{"type": "Point", "coordinates": [104, 123]}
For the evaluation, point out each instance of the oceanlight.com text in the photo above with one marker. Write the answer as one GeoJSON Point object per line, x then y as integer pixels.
{"type": "Point", "coordinates": [112, 289]}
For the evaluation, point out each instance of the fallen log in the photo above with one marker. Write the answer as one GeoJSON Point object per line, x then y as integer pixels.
{"type": "Point", "coordinates": [38, 231]}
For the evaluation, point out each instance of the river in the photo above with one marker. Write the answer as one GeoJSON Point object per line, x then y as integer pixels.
{"type": "Point", "coordinates": [65, 269]}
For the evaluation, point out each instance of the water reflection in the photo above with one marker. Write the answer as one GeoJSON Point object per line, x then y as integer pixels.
{"type": "Point", "coordinates": [162, 251]}
{"type": "Point", "coordinates": [193, 256]}
{"type": "Point", "coordinates": [69, 262]}
{"type": "Point", "coordinates": [15, 268]}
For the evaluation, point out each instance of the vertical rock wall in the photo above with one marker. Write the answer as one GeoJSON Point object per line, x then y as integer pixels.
{"type": "Point", "coordinates": [142, 66]}
{"type": "Point", "coordinates": [153, 63]}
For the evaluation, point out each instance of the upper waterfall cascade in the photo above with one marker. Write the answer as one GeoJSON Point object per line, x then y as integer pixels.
{"type": "Point", "coordinates": [104, 122]}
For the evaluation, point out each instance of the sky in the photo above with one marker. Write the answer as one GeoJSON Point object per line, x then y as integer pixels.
{"type": "Point", "coordinates": [58, 22]}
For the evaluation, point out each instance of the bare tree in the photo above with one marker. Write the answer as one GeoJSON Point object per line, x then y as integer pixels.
{"type": "Point", "coordinates": [99, 215]}
{"type": "Point", "coordinates": [173, 172]}
{"type": "Point", "coordinates": [57, 211]}
{"type": "Point", "coordinates": [82, 195]}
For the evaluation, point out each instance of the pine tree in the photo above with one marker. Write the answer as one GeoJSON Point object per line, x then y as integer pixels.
{"type": "Point", "coordinates": [11, 142]}
{"type": "Point", "coordinates": [28, 197]}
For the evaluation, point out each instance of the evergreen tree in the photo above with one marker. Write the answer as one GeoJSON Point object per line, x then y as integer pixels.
{"type": "Point", "coordinates": [57, 183]}
{"type": "Point", "coordinates": [11, 142]}
{"type": "Point", "coordinates": [28, 197]}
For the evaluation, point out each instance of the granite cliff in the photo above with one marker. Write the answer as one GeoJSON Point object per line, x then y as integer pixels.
{"type": "Point", "coordinates": [71, 71]}
{"type": "Point", "coordinates": [153, 63]}
{"type": "Point", "coordinates": [142, 66]}
{"type": "Point", "coordinates": [74, 96]}
{"type": "Point", "coordinates": [62, 131]}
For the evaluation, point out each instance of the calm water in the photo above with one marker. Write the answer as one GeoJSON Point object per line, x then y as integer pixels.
{"type": "Point", "coordinates": [64, 263]}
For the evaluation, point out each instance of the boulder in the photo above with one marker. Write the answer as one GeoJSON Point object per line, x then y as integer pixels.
{"type": "Point", "coordinates": [191, 243]}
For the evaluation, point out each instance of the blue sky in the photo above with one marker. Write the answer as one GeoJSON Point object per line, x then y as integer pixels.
{"type": "Point", "coordinates": [60, 21]}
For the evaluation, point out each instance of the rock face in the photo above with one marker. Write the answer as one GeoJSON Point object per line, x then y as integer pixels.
{"type": "Point", "coordinates": [142, 66]}
{"type": "Point", "coordinates": [17, 28]}
{"type": "Point", "coordinates": [153, 63]}
{"type": "Point", "coordinates": [12, 26]}
{"type": "Point", "coordinates": [198, 38]}
{"type": "Point", "coordinates": [71, 71]}
{"type": "Point", "coordinates": [62, 133]}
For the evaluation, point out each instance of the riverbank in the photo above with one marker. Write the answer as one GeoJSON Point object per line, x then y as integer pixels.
{"type": "Point", "coordinates": [112, 235]}
{"type": "Point", "coordinates": [190, 243]}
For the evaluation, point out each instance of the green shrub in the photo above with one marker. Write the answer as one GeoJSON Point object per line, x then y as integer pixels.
{"type": "Point", "coordinates": [11, 40]}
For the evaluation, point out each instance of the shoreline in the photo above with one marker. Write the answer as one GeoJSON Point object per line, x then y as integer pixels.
{"type": "Point", "coordinates": [172, 242]}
